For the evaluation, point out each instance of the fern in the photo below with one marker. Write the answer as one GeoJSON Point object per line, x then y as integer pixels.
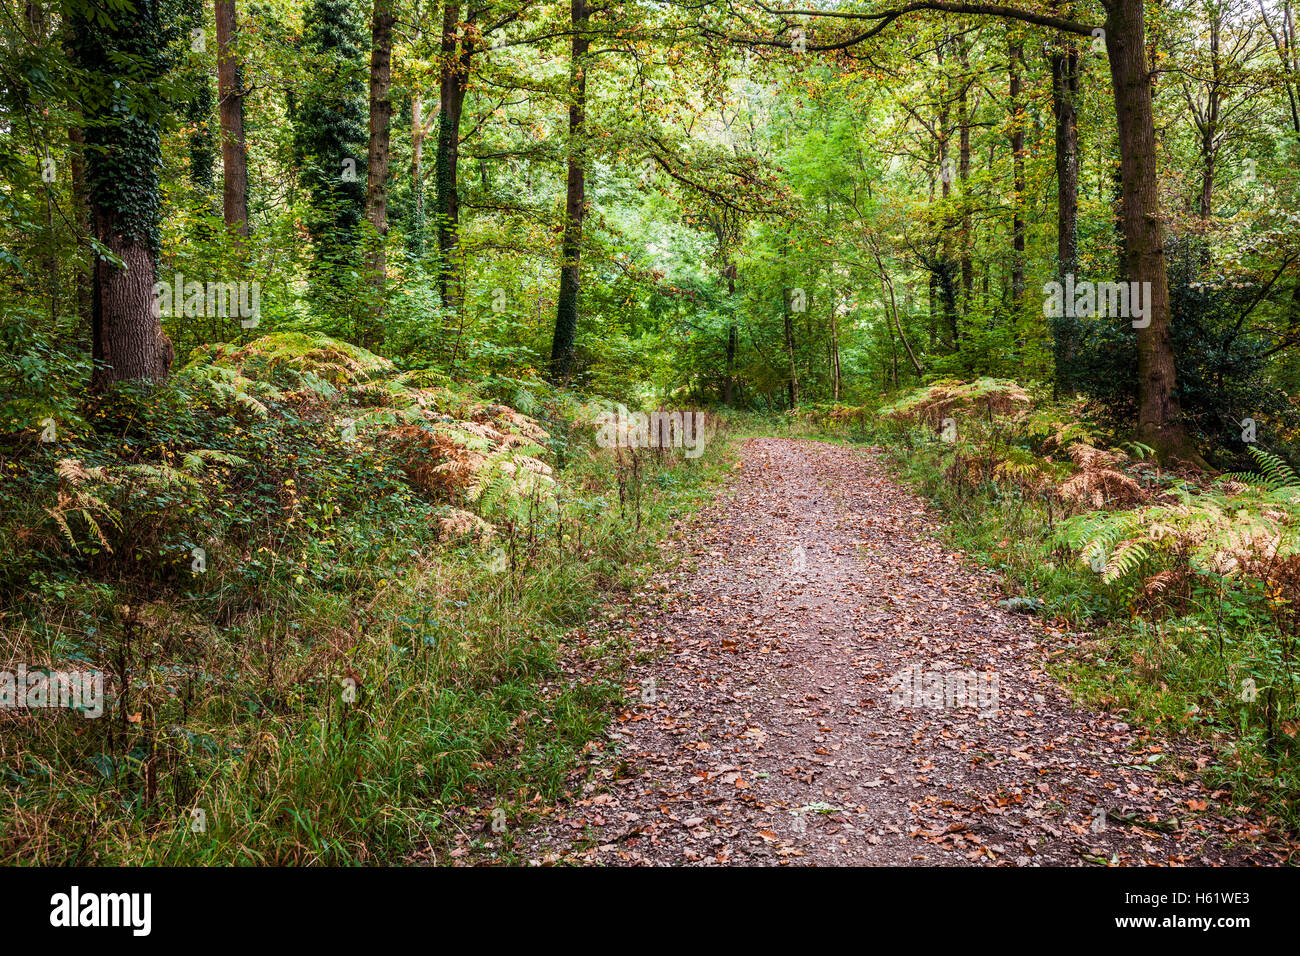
{"type": "Point", "coordinates": [1278, 476]}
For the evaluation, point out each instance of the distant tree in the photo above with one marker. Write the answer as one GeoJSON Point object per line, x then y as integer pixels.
{"type": "Point", "coordinates": [234, 151]}
{"type": "Point", "coordinates": [381, 114]}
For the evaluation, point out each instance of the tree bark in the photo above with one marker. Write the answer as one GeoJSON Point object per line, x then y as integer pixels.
{"type": "Point", "coordinates": [454, 71]}
{"type": "Point", "coordinates": [1210, 126]}
{"type": "Point", "coordinates": [575, 204]}
{"type": "Point", "coordinates": [81, 213]}
{"type": "Point", "coordinates": [1065, 96]}
{"type": "Point", "coordinates": [381, 113]}
{"type": "Point", "coordinates": [963, 176]}
{"type": "Point", "coordinates": [835, 353]}
{"type": "Point", "coordinates": [230, 98]}
{"type": "Point", "coordinates": [1159, 415]}
{"type": "Point", "coordinates": [128, 337]}
{"type": "Point", "coordinates": [418, 132]}
{"type": "Point", "coordinates": [1016, 56]}
{"type": "Point", "coordinates": [729, 383]}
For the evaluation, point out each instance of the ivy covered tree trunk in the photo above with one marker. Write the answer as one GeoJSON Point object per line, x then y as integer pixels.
{"type": "Point", "coordinates": [124, 55]}
{"type": "Point", "coordinates": [330, 146]}
{"type": "Point", "coordinates": [381, 113]}
{"type": "Point", "coordinates": [575, 204]}
{"type": "Point", "coordinates": [1159, 415]}
{"type": "Point", "coordinates": [230, 94]}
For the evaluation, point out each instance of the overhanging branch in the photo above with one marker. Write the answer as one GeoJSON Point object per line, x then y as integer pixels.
{"type": "Point", "coordinates": [883, 18]}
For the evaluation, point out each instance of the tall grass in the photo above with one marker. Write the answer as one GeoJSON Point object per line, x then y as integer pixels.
{"type": "Point", "coordinates": [343, 684]}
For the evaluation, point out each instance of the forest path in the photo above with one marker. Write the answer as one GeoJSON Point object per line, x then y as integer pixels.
{"type": "Point", "coordinates": [762, 728]}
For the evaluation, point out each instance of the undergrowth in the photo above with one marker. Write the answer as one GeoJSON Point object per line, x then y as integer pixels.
{"type": "Point", "coordinates": [313, 651]}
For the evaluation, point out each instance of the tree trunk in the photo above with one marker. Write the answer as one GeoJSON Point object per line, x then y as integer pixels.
{"type": "Point", "coordinates": [963, 176]}
{"type": "Point", "coordinates": [1210, 126]}
{"type": "Point", "coordinates": [1016, 51]}
{"type": "Point", "coordinates": [887, 285]}
{"type": "Point", "coordinates": [944, 252]}
{"type": "Point", "coordinates": [1065, 94]}
{"type": "Point", "coordinates": [381, 113]}
{"type": "Point", "coordinates": [230, 96]}
{"type": "Point", "coordinates": [575, 203]}
{"type": "Point", "coordinates": [127, 338]}
{"type": "Point", "coordinates": [81, 213]}
{"type": "Point", "coordinates": [793, 384]}
{"type": "Point", "coordinates": [1159, 415]}
{"type": "Point", "coordinates": [729, 383]}
{"type": "Point", "coordinates": [729, 387]}
{"type": "Point", "coordinates": [418, 133]}
{"type": "Point", "coordinates": [448, 158]}
{"type": "Point", "coordinates": [835, 354]}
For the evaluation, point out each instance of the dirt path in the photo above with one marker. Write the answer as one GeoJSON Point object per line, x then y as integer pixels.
{"type": "Point", "coordinates": [770, 727]}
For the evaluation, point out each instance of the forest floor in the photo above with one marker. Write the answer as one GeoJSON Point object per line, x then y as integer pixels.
{"type": "Point", "coordinates": [761, 727]}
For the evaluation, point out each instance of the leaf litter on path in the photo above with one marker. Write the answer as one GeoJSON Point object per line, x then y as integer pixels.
{"type": "Point", "coordinates": [831, 686]}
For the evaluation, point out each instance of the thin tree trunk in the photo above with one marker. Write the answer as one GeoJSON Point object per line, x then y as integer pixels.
{"type": "Point", "coordinates": [1210, 128]}
{"type": "Point", "coordinates": [887, 286]}
{"type": "Point", "coordinates": [1016, 51]}
{"type": "Point", "coordinates": [452, 98]}
{"type": "Point", "coordinates": [835, 354]}
{"type": "Point", "coordinates": [381, 113]}
{"type": "Point", "coordinates": [944, 252]}
{"type": "Point", "coordinates": [1065, 93]}
{"type": "Point", "coordinates": [729, 387]}
{"type": "Point", "coordinates": [729, 384]}
{"type": "Point", "coordinates": [963, 176]}
{"type": "Point", "coordinates": [230, 100]}
{"type": "Point", "coordinates": [575, 204]}
{"type": "Point", "coordinates": [81, 212]}
{"type": "Point", "coordinates": [418, 132]}
{"type": "Point", "coordinates": [792, 386]}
